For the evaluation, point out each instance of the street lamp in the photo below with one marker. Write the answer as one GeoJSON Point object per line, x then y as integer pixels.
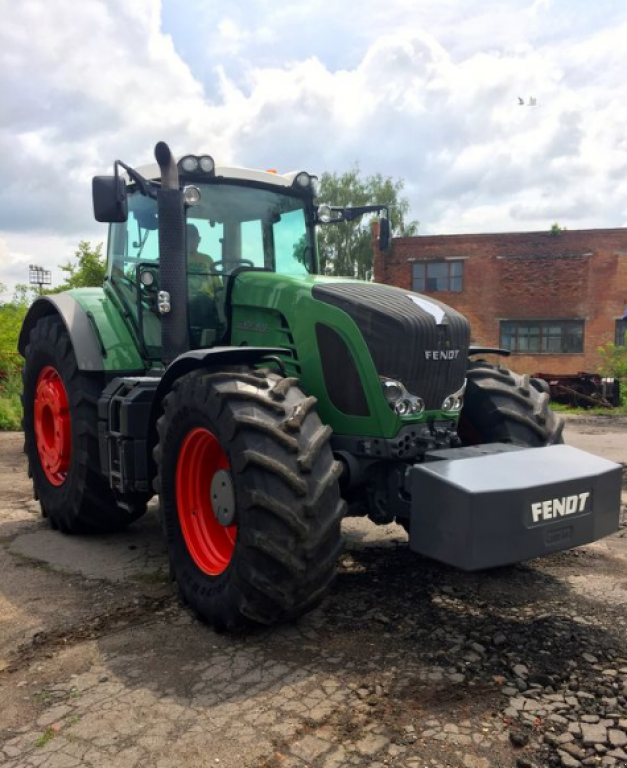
{"type": "Point", "coordinates": [39, 276]}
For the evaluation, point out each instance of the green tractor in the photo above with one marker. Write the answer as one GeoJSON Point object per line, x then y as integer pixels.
{"type": "Point", "coordinates": [263, 402]}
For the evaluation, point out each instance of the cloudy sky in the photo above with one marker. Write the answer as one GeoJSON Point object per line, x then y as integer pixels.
{"type": "Point", "coordinates": [423, 90]}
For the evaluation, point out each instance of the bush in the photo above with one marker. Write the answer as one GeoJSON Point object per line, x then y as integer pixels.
{"type": "Point", "coordinates": [11, 317]}
{"type": "Point", "coordinates": [614, 365]}
{"type": "Point", "coordinates": [614, 361]}
{"type": "Point", "coordinates": [10, 404]}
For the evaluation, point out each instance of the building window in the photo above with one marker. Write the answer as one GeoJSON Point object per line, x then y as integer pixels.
{"type": "Point", "coordinates": [556, 337]}
{"type": "Point", "coordinates": [621, 333]}
{"type": "Point", "coordinates": [432, 276]}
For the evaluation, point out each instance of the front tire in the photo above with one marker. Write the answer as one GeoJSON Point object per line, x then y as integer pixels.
{"type": "Point", "coordinates": [501, 406]}
{"type": "Point", "coordinates": [61, 436]}
{"type": "Point", "coordinates": [249, 444]}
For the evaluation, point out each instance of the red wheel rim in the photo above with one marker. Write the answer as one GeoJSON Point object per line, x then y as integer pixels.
{"type": "Point", "coordinates": [53, 428]}
{"type": "Point", "coordinates": [210, 544]}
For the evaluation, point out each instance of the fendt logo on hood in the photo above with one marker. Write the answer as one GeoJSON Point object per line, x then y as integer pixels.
{"type": "Point", "coordinates": [551, 509]}
{"type": "Point", "coordinates": [441, 354]}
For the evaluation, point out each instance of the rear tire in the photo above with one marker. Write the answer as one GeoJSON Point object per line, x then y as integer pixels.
{"type": "Point", "coordinates": [278, 558]}
{"type": "Point", "coordinates": [61, 436]}
{"type": "Point", "coordinates": [501, 406]}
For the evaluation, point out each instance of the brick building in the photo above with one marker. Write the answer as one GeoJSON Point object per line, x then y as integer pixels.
{"type": "Point", "coordinates": [552, 299]}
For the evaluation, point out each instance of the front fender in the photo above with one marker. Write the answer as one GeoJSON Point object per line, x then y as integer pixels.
{"type": "Point", "coordinates": [202, 358]}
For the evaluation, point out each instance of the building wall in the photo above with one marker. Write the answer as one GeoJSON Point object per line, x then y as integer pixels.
{"type": "Point", "coordinates": [526, 275]}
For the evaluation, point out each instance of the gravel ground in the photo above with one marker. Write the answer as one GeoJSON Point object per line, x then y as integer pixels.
{"type": "Point", "coordinates": [408, 663]}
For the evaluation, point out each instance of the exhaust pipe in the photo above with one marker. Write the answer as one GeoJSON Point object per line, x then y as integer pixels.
{"type": "Point", "coordinates": [167, 166]}
{"type": "Point", "coordinates": [173, 258]}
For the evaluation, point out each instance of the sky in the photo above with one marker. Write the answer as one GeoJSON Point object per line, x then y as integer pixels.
{"type": "Point", "coordinates": [427, 91]}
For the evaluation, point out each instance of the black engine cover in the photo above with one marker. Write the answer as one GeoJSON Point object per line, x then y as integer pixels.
{"type": "Point", "coordinates": [425, 347]}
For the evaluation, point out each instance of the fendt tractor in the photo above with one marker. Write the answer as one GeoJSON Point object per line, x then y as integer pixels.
{"type": "Point", "coordinates": [263, 401]}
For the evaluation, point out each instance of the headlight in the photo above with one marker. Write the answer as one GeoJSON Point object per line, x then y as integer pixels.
{"type": "Point", "coordinates": [324, 213]}
{"type": "Point", "coordinates": [191, 195]}
{"type": "Point", "coordinates": [417, 406]}
{"type": "Point", "coordinates": [455, 402]}
{"type": "Point", "coordinates": [146, 278]}
{"type": "Point", "coordinates": [399, 399]}
{"type": "Point", "coordinates": [189, 163]}
{"type": "Point", "coordinates": [206, 164]}
{"type": "Point", "coordinates": [393, 390]}
{"type": "Point", "coordinates": [303, 179]}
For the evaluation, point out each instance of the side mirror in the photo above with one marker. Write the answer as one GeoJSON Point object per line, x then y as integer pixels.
{"type": "Point", "coordinates": [384, 233]}
{"type": "Point", "coordinates": [109, 196]}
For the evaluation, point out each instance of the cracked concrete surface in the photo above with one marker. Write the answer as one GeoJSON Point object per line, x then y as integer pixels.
{"type": "Point", "coordinates": [407, 663]}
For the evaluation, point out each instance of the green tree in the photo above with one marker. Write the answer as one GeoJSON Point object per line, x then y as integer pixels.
{"type": "Point", "coordinates": [23, 295]}
{"type": "Point", "coordinates": [87, 271]}
{"type": "Point", "coordinates": [346, 248]}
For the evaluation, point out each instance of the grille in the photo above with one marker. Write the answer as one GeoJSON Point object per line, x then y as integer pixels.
{"type": "Point", "coordinates": [399, 333]}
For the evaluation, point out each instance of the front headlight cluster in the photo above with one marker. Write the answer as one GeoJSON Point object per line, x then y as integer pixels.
{"type": "Point", "coordinates": [400, 400]}
{"type": "Point", "coordinates": [404, 403]}
{"type": "Point", "coordinates": [203, 164]}
{"type": "Point", "coordinates": [455, 402]}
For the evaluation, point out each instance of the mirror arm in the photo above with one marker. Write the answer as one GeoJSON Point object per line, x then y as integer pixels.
{"type": "Point", "coordinates": [350, 214]}
{"type": "Point", "coordinates": [146, 188]}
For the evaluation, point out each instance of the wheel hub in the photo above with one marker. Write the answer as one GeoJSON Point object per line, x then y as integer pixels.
{"type": "Point", "coordinates": [53, 429]}
{"type": "Point", "coordinates": [223, 498]}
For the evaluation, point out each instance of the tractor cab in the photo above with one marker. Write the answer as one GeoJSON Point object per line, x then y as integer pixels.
{"type": "Point", "coordinates": [235, 219]}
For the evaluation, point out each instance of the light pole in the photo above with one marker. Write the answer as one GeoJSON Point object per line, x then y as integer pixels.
{"type": "Point", "coordinates": [39, 276]}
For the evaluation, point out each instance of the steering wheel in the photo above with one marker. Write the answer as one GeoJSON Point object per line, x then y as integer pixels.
{"type": "Point", "coordinates": [218, 266]}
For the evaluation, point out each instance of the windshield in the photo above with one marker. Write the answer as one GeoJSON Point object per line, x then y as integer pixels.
{"type": "Point", "coordinates": [246, 226]}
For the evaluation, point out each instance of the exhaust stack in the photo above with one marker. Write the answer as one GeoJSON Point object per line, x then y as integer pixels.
{"type": "Point", "coordinates": [173, 258]}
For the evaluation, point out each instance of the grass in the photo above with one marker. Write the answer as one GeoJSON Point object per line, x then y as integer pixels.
{"type": "Point", "coordinates": [620, 411]}
{"type": "Point", "coordinates": [42, 697]}
{"type": "Point", "coordinates": [10, 404]}
{"type": "Point", "coordinates": [45, 737]}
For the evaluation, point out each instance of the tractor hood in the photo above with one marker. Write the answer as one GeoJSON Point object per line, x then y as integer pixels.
{"type": "Point", "coordinates": [414, 339]}
{"type": "Point", "coordinates": [343, 335]}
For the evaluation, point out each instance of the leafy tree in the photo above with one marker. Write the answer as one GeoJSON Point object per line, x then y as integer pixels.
{"type": "Point", "coordinates": [346, 249]}
{"type": "Point", "coordinates": [88, 271]}
{"type": "Point", "coordinates": [23, 295]}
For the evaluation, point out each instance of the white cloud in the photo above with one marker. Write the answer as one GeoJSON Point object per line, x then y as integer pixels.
{"type": "Point", "coordinates": [424, 91]}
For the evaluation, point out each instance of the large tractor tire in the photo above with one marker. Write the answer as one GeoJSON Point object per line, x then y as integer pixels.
{"type": "Point", "coordinates": [61, 437]}
{"type": "Point", "coordinates": [249, 497]}
{"type": "Point", "coordinates": [501, 406]}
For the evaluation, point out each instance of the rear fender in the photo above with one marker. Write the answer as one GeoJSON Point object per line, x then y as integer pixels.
{"type": "Point", "coordinates": [87, 345]}
{"type": "Point", "coordinates": [100, 335]}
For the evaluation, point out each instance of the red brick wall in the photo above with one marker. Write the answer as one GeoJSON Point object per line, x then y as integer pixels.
{"type": "Point", "coordinates": [526, 275]}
